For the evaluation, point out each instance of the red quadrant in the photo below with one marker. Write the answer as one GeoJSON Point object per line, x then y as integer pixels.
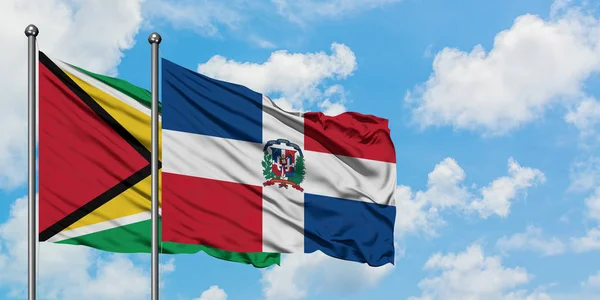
{"type": "Point", "coordinates": [213, 213]}
{"type": "Point", "coordinates": [80, 156]}
{"type": "Point", "coordinates": [349, 134]}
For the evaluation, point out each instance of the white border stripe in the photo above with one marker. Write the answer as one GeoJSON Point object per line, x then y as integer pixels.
{"type": "Point", "coordinates": [104, 87]}
{"type": "Point", "coordinates": [111, 224]}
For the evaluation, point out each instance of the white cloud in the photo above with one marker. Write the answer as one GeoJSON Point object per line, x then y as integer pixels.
{"type": "Point", "coordinates": [585, 175]}
{"type": "Point", "coordinates": [300, 273]}
{"type": "Point", "coordinates": [535, 295]}
{"type": "Point", "coordinates": [302, 11]}
{"type": "Point", "coordinates": [593, 205]}
{"type": "Point", "coordinates": [496, 196]}
{"type": "Point", "coordinates": [589, 242]}
{"type": "Point", "coordinates": [470, 275]}
{"type": "Point", "coordinates": [331, 109]}
{"type": "Point", "coordinates": [334, 101]}
{"type": "Point", "coordinates": [168, 266]}
{"type": "Point", "coordinates": [90, 34]}
{"type": "Point", "coordinates": [66, 271]}
{"type": "Point", "coordinates": [532, 66]}
{"type": "Point", "coordinates": [559, 6]}
{"type": "Point", "coordinates": [586, 116]}
{"type": "Point", "coordinates": [593, 281]}
{"type": "Point", "coordinates": [589, 290]}
{"type": "Point", "coordinates": [296, 77]}
{"type": "Point", "coordinates": [261, 42]}
{"type": "Point", "coordinates": [415, 213]}
{"type": "Point", "coordinates": [202, 16]}
{"type": "Point", "coordinates": [240, 17]}
{"type": "Point", "coordinates": [420, 211]}
{"type": "Point", "coordinates": [427, 53]}
{"type": "Point", "coordinates": [532, 239]}
{"type": "Point", "coordinates": [575, 296]}
{"type": "Point", "coordinates": [213, 293]}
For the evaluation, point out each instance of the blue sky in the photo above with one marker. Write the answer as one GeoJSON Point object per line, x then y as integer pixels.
{"type": "Point", "coordinates": [493, 109]}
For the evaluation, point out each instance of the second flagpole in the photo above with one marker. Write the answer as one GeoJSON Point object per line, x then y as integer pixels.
{"type": "Point", "coordinates": [31, 32]}
{"type": "Point", "coordinates": [154, 39]}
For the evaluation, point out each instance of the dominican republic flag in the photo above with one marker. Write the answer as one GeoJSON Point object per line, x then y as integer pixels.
{"type": "Point", "coordinates": [241, 174]}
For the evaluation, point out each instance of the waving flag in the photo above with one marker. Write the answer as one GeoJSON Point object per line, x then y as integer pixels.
{"type": "Point", "coordinates": [241, 174]}
{"type": "Point", "coordinates": [94, 165]}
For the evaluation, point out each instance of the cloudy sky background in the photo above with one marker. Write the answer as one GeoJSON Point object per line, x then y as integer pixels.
{"type": "Point", "coordinates": [493, 106]}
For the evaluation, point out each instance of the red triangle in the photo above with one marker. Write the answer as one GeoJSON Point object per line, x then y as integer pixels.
{"type": "Point", "coordinates": [80, 155]}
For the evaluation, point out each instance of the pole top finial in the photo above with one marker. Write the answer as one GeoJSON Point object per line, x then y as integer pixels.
{"type": "Point", "coordinates": [154, 38]}
{"type": "Point", "coordinates": [31, 30]}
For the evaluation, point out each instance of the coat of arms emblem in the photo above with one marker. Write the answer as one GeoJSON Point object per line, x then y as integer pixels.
{"type": "Point", "coordinates": [283, 164]}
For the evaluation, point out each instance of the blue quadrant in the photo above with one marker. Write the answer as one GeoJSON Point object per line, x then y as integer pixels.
{"type": "Point", "coordinates": [349, 230]}
{"type": "Point", "coordinates": [195, 103]}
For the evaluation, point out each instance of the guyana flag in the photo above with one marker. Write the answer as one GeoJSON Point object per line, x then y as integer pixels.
{"type": "Point", "coordinates": [94, 165]}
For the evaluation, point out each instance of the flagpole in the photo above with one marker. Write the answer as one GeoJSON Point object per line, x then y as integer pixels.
{"type": "Point", "coordinates": [154, 39]}
{"type": "Point", "coordinates": [31, 32]}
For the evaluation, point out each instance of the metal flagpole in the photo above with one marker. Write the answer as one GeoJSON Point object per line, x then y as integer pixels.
{"type": "Point", "coordinates": [154, 39]}
{"type": "Point", "coordinates": [31, 32]}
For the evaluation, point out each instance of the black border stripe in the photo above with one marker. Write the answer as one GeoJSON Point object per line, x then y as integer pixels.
{"type": "Point", "coordinates": [120, 130]}
{"type": "Point", "coordinates": [95, 107]}
{"type": "Point", "coordinates": [89, 207]}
